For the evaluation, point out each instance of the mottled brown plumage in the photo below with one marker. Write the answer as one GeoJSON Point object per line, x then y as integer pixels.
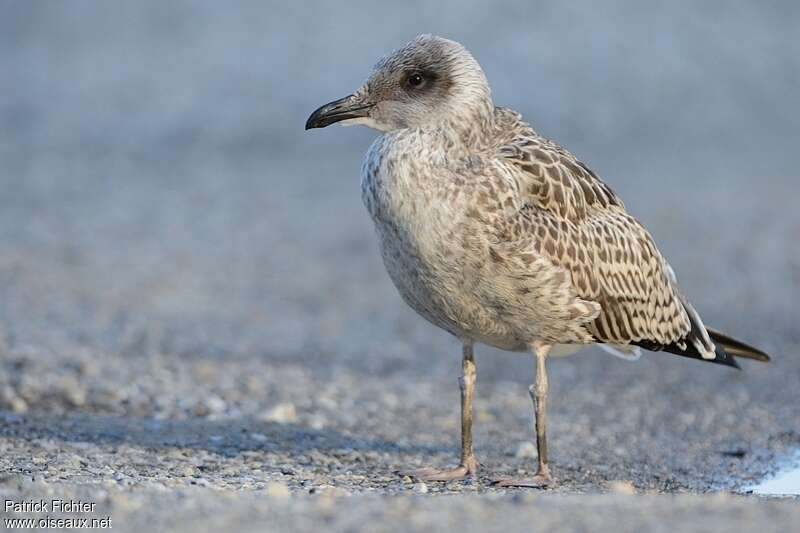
{"type": "Point", "coordinates": [498, 235]}
{"type": "Point", "coordinates": [568, 215]}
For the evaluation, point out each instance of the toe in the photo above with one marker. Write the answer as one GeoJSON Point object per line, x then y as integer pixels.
{"type": "Point", "coordinates": [434, 474]}
{"type": "Point", "coordinates": [535, 482]}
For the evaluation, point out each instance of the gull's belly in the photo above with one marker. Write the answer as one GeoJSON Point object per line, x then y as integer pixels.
{"type": "Point", "coordinates": [431, 248]}
{"type": "Point", "coordinates": [426, 283]}
{"type": "Point", "coordinates": [447, 292]}
{"type": "Point", "coordinates": [438, 284]}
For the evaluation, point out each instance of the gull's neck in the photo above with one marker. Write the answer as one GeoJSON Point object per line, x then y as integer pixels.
{"type": "Point", "coordinates": [465, 129]}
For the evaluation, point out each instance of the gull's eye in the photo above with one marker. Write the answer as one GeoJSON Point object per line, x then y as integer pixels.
{"type": "Point", "coordinates": [416, 80]}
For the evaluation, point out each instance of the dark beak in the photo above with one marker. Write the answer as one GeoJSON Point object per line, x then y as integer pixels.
{"type": "Point", "coordinates": [338, 110]}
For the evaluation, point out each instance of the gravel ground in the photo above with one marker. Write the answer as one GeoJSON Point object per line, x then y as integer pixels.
{"type": "Point", "coordinates": [196, 331]}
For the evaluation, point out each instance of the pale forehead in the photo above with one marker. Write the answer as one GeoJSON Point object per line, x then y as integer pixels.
{"type": "Point", "coordinates": [424, 52]}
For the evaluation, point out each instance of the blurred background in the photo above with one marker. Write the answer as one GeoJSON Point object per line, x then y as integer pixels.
{"type": "Point", "coordinates": [170, 234]}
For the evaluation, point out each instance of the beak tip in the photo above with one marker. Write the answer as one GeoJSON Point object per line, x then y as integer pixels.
{"type": "Point", "coordinates": [336, 111]}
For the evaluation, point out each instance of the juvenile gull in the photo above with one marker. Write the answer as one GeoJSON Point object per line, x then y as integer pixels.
{"type": "Point", "coordinates": [498, 235]}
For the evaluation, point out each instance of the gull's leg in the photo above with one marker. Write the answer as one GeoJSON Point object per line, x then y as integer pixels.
{"type": "Point", "coordinates": [469, 464]}
{"type": "Point", "coordinates": [538, 394]}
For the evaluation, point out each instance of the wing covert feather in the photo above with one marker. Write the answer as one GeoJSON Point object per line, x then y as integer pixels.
{"type": "Point", "coordinates": [580, 224]}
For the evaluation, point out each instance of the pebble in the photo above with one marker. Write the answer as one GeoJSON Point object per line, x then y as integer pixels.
{"type": "Point", "coordinates": [10, 399]}
{"type": "Point", "coordinates": [283, 413]}
{"type": "Point", "coordinates": [329, 491]}
{"type": "Point", "coordinates": [185, 471]}
{"type": "Point", "coordinates": [526, 450]}
{"type": "Point", "coordinates": [215, 404]}
{"type": "Point", "coordinates": [276, 490]}
{"type": "Point", "coordinates": [624, 488]}
{"type": "Point", "coordinates": [317, 422]}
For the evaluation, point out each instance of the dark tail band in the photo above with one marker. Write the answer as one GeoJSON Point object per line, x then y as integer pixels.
{"type": "Point", "coordinates": [735, 347]}
{"type": "Point", "coordinates": [725, 348]}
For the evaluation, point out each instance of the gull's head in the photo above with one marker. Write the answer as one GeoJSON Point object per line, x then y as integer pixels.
{"type": "Point", "coordinates": [427, 82]}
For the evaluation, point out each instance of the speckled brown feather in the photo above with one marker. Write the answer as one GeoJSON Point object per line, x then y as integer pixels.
{"type": "Point", "coordinates": [576, 220]}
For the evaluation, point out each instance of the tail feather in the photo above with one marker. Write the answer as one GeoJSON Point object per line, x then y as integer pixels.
{"type": "Point", "coordinates": [736, 347]}
{"type": "Point", "coordinates": [707, 344]}
{"type": "Point", "coordinates": [688, 349]}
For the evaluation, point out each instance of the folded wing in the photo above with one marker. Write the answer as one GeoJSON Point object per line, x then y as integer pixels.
{"type": "Point", "coordinates": [580, 224]}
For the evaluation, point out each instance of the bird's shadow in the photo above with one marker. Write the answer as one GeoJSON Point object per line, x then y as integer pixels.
{"type": "Point", "coordinates": [227, 437]}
